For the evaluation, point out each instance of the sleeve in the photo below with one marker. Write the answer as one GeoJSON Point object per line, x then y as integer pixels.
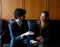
{"type": "Point", "coordinates": [24, 40]}
{"type": "Point", "coordinates": [11, 31]}
{"type": "Point", "coordinates": [11, 28]}
{"type": "Point", "coordinates": [28, 38]}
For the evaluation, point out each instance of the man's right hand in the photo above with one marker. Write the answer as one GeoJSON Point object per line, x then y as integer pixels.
{"type": "Point", "coordinates": [27, 33]}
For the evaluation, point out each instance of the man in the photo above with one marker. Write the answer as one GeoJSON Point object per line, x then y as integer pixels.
{"type": "Point", "coordinates": [19, 31]}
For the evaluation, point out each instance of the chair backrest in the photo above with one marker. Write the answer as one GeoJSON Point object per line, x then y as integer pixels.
{"type": "Point", "coordinates": [32, 24]}
{"type": "Point", "coordinates": [1, 25]}
{"type": "Point", "coordinates": [55, 30]}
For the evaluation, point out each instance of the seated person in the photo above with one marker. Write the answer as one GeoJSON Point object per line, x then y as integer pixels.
{"type": "Point", "coordinates": [33, 26]}
{"type": "Point", "coordinates": [44, 30]}
{"type": "Point", "coordinates": [19, 32]}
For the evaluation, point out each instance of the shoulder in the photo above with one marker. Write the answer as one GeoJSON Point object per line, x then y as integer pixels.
{"type": "Point", "coordinates": [11, 21]}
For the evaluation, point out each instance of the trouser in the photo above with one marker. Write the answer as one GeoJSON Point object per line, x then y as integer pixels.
{"type": "Point", "coordinates": [17, 39]}
{"type": "Point", "coordinates": [41, 43]}
{"type": "Point", "coordinates": [44, 42]}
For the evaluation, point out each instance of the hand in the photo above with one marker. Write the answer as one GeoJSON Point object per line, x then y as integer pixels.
{"type": "Point", "coordinates": [34, 42]}
{"type": "Point", "coordinates": [39, 38]}
{"type": "Point", "coordinates": [29, 33]}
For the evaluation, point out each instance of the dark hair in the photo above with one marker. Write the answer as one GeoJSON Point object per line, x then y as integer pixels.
{"type": "Point", "coordinates": [19, 12]}
{"type": "Point", "coordinates": [46, 13]}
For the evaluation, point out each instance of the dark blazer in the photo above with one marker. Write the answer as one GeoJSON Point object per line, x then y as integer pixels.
{"type": "Point", "coordinates": [16, 31]}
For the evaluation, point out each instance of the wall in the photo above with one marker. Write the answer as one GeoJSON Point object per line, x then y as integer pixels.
{"type": "Point", "coordinates": [54, 9]}
{"type": "Point", "coordinates": [33, 8]}
{"type": "Point", "coordinates": [0, 10]}
{"type": "Point", "coordinates": [8, 7]}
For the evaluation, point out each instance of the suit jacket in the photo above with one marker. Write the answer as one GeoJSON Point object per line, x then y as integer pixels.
{"type": "Point", "coordinates": [16, 30]}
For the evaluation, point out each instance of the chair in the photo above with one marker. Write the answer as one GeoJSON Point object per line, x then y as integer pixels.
{"type": "Point", "coordinates": [4, 35]}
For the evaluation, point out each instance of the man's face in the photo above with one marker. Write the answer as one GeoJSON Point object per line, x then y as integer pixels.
{"type": "Point", "coordinates": [21, 18]}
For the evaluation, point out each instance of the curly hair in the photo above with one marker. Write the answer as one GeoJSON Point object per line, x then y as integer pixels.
{"type": "Point", "coordinates": [19, 12]}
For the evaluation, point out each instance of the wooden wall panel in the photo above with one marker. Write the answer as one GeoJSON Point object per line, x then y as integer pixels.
{"type": "Point", "coordinates": [34, 8]}
{"type": "Point", "coordinates": [0, 11]}
{"type": "Point", "coordinates": [20, 3]}
{"type": "Point", "coordinates": [8, 7]}
{"type": "Point", "coordinates": [54, 9]}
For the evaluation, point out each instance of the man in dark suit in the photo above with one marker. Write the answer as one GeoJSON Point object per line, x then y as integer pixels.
{"type": "Point", "coordinates": [19, 32]}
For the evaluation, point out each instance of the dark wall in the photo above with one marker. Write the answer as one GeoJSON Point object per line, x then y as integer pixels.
{"type": "Point", "coordinates": [55, 31]}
